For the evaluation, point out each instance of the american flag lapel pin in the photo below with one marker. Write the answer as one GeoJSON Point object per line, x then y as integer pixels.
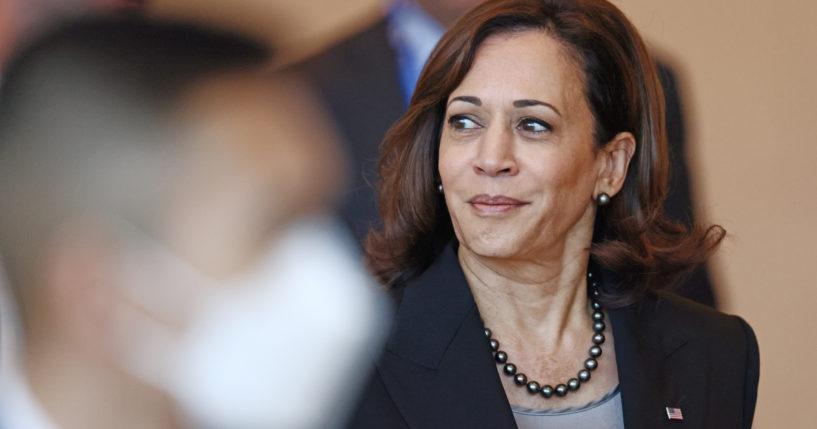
{"type": "Point", "coordinates": [674, 413]}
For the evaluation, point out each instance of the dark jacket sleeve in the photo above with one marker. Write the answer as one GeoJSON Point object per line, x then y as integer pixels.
{"type": "Point", "coordinates": [752, 375]}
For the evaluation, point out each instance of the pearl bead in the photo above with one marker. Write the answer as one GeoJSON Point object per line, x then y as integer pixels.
{"type": "Point", "coordinates": [501, 356]}
{"type": "Point", "coordinates": [520, 379]}
{"type": "Point", "coordinates": [584, 376]}
{"type": "Point", "coordinates": [547, 391]}
{"type": "Point", "coordinates": [589, 275]}
{"type": "Point", "coordinates": [561, 390]}
{"type": "Point", "coordinates": [591, 364]}
{"type": "Point", "coordinates": [487, 332]}
{"type": "Point", "coordinates": [494, 345]}
{"type": "Point", "coordinates": [595, 351]}
{"type": "Point", "coordinates": [598, 326]}
{"type": "Point", "coordinates": [595, 293]}
{"type": "Point", "coordinates": [596, 306]}
{"type": "Point", "coordinates": [509, 369]}
{"type": "Point", "coordinates": [598, 339]}
{"type": "Point", "coordinates": [598, 316]}
{"type": "Point", "coordinates": [533, 387]}
{"type": "Point", "coordinates": [573, 384]}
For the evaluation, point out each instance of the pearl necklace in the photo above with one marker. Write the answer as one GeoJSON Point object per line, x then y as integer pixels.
{"type": "Point", "coordinates": [583, 376]}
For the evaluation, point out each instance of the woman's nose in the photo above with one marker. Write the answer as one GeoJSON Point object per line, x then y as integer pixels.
{"type": "Point", "coordinates": [496, 153]}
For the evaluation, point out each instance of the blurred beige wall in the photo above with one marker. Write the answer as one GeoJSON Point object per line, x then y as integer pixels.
{"type": "Point", "coordinates": [749, 78]}
{"type": "Point", "coordinates": [748, 74]}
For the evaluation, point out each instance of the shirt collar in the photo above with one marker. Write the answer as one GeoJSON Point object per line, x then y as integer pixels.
{"type": "Point", "coordinates": [413, 34]}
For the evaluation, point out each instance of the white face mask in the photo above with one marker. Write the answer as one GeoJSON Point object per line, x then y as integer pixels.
{"type": "Point", "coordinates": [286, 346]}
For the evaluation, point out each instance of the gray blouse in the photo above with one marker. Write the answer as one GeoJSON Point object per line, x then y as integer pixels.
{"type": "Point", "coordinates": [604, 412]}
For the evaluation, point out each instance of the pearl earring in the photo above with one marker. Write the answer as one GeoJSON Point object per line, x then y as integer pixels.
{"type": "Point", "coordinates": [603, 199]}
{"type": "Point", "coordinates": [440, 188]}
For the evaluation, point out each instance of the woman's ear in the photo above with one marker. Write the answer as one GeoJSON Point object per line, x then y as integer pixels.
{"type": "Point", "coordinates": [615, 159]}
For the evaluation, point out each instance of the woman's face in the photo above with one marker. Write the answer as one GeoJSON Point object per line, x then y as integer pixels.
{"type": "Point", "coordinates": [518, 162]}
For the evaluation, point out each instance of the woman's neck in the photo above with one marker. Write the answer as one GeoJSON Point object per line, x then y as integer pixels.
{"type": "Point", "coordinates": [542, 299]}
{"type": "Point", "coordinates": [538, 310]}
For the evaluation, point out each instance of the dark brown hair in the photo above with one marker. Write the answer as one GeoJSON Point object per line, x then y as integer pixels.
{"type": "Point", "coordinates": [632, 237]}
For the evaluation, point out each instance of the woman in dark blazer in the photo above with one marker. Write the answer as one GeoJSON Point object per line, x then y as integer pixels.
{"type": "Point", "coordinates": [525, 244]}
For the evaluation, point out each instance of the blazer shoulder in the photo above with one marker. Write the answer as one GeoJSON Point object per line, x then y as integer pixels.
{"type": "Point", "coordinates": [697, 320]}
{"type": "Point", "coordinates": [395, 293]}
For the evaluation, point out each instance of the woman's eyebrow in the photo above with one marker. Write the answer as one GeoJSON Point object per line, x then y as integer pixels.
{"type": "Point", "coordinates": [531, 102]}
{"type": "Point", "coordinates": [468, 99]}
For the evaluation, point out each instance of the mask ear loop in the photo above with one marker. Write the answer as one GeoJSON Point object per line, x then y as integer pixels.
{"type": "Point", "coordinates": [154, 278]}
{"type": "Point", "coordinates": [158, 295]}
{"type": "Point", "coordinates": [144, 347]}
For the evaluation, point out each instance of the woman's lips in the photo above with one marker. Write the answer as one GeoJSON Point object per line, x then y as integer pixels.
{"type": "Point", "coordinates": [493, 204]}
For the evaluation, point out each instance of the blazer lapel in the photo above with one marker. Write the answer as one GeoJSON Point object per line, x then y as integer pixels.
{"type": "Point", "coordinates": [646, 377]}
{"type": "Point", "coordinates": [437, 365]}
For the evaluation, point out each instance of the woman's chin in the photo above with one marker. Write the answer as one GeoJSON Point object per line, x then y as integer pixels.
{"type": "Point", "coordinates": [495, 247]}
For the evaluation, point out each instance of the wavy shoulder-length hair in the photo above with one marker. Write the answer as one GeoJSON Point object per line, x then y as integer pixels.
{"type": "Point", "coordinates": [632, 236]}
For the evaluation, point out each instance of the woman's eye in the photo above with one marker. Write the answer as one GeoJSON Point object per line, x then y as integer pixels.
{"type": "Point", "coordinates": [459, 122]}
{"type": "Point", "coordinates": [534, 125]}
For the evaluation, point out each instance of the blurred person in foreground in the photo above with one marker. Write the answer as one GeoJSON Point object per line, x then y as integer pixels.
{"type": "Point", "coordinates": [19, 21]}
{"type": "Point", "coordinates": [525, 240]}
{"type": "Point", "coordinates": [368, 79]}
{"type": "Point", "coordinates": [165, 239]}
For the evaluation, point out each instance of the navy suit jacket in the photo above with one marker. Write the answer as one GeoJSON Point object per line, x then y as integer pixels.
{"type": "Point", "coordinates": [437, 370]}
{"type": "Point", "coordinates": [358, 81]}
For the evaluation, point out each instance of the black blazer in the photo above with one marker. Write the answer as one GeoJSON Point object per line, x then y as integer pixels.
{"type": "Point", "coordinates": [437, 370]}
